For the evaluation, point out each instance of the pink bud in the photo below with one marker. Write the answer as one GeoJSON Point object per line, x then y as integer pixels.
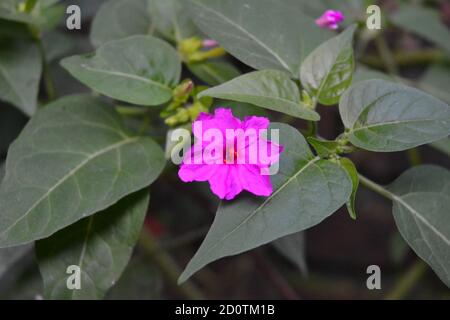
{"type": "Point", "coordinates": [330, 19]}
{"type": "Point", "coordinates": [209, 43]}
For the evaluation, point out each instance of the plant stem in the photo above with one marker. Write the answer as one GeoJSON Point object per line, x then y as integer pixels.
{"type": "Point", "coordinates": [414, 157]}
{"type": "Point", "coordinates": [168, 266]}
{"type": "Point", "coordinates": [407, 281]}
{"type": "Point", "coordinates": [376, 187]}
{"type": "Point", "coordinates": [48, 81]}
{"type": "Point", "coordinates": [404, 58]}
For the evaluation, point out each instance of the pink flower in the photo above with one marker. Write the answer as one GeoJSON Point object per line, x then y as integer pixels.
{"type": "Point", "coordinates": [232, 165]}
{"type": "Point", "coordinates": [330, 19]}
{"type": "Point", "coordinates": [209, 43]}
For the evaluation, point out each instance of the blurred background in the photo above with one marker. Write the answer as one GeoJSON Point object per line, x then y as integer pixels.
{"type": "Point", "coordinates": [328, 261]}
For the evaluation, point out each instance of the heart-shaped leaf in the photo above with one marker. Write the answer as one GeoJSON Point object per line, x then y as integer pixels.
{"type": "Point", "coordinates": [269, 89]}
{"type": "Point", "coordinates": [307, 190]}
{"type": "Point", "coordinates": [100, 245]}
{"type": "Point", "coordinates": [327, 72]}
{"type": "Point", "coordinates": [20, 73]}
{"type": "Point", "coordinates": [112, 21]}
{"type": "Point", "coordinates": [74, 158]}
{"type": "Point", "coordinates": [265, 34]}
{"type": "Point", "coordinates": [139, 69]}
{"type": "Point", "coordinates": [384, 116]}
{"type": "Point", "coordinates": [421, 198]}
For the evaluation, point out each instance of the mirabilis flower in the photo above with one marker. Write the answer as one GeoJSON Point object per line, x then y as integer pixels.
{"type": "Point", "coordinates": [232, 167]}
{"type": "Point", "coordinates": [330, 19]}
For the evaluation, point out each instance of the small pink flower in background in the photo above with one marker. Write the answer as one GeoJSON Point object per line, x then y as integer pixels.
{"type": "Point", "coordinates": [330, 19]}
{"type": "Point", "coordinates": [228, 178]}
{"type": "Point", "coordinates": [209, 43]}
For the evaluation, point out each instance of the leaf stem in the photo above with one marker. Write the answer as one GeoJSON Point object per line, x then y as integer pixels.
{"type": "Point", "coordinates": [407, 281]}
{"type": "Point", "coordinates": [414, 157]}
{"type": "Point", "coordinates": [168, 266]}
{"type": "Point", "coordinates": [376, 187]}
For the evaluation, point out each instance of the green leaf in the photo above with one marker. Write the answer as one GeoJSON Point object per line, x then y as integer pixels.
{"type": "Point", "coordinates": [119, 19]}
{"type": "Point", "coordinates": [323, 148]}
{"type": "Point", "coordinates": [265, 34]}
{"type": "Point", "coordinates": [2, 171]}
{"type": "Point", "coordinates": [292, 247]}
{"type": "Point", "coordinates": [307, 190]}
{"type": "Point", "coordinates": [442, 145]}
{"type": "Point", "coordinates": [139, 69]}
{"type": "Point", "coordinates": [240, 109]}
{"type": "Point", "coordinates": [425, 22]}
{"type": "Point", "coordinates": [74, 158]}
{"type": "Point", "coordinates": [421, 198]}
{"type": "Point", "coordinates": [100, 245]}
{"type": "Point", "coordinates": [269, 89]}
{"type": "Point", "coordinates": [349, 166]}
{"type": "Point", "coordinates": [327, 72]}
{"type": "Point", "coordinates": [214, 72]}
{"type": "Point", "coordinates": [171, 19]}
{"type": "Point", "coordinates": [384, 116]}
{"type": "Point", "coordinates": [435, 82]}
{"type": "Point", "coordinates": [20, 73]}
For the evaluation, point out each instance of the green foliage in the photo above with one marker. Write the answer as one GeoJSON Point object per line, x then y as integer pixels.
{"type": "Point", "coordinates": [421, 201]}
{"type": "Point", "coordinates": [140, 69]}
{"type": "Point", "coordinates": [76, 178]}
{"type": "Point", "coordinates": [20, 72]}
{"type": "Point", "coordinates": [251, 31]}
{"type": "Point", "coordinates": [101, 245]}
{"type": "Point", "coordinates": [383, 116]}
{"type": "Point", "coordinates": [327, 72]}
{"type": "Point", "coordinates": [87, 161]}
{"type": "Point", "coordinates": [269, 89]}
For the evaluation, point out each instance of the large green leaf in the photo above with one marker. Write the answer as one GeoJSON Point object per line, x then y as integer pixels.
{"type": "Point", "coordinates": [100, 245]}
{"type": "Point", "coordinates": [265, 34]}
{"type": "Point", "coordinates": [171, 19]}
{"type": "Point", "coordinates": [214, 72]}
{"type": "Point", "coordinates": [139, 69]}
{"type": "Point", "coordinates": [10, 10]}
{"type": "Point", "coordinates": [119, 19]}
{"type": "Point", "coordinates": [421, 198]}
{"type": "Point", "coordinates": [384, 116]}
{"type": "Point", "coordinates": [327, 72]}
{"type": "Point", "coordinates": [425, 22]}
{"type": "Point", "coordinates": [269, 89]}
{"type": "Point", "coordinates": [20, 72]}
{"type": "Point", "coordinates": [74, 158]}
{"type": "Point", "coordinates": [307, 190]}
